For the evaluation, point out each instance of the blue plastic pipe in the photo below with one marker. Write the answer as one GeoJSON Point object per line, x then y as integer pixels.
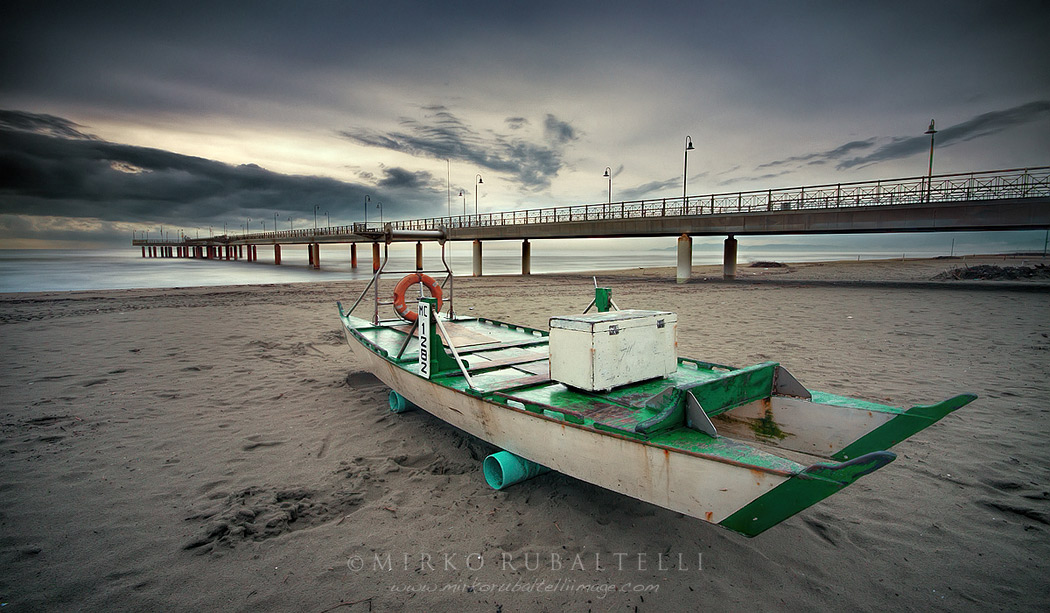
{"type": "Point", "coordinates": [504, 469]}
{"type": "Point", "coordinates": [400, 404]}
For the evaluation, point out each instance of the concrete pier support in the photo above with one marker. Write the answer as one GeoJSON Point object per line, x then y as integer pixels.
{"type": "Point", "coordinates": [477, 258]}
{"type": "Point", "coordinates": [353, 255]}
{"type": "Point", "coordinates": [316, 248]}
{"type": "Point", "coordinates": [375, 257]}
{"type": "Point", "coordinates": [685, 258]}
{"type": "Point", "coordinates": [729, 259]}
{"type": "Point", "coordinates": [240, 251]}
{"type": "Point", "coordinates": [419, 255]}
{"type": "Point", "coordinates": [526, 257]}
{"type": "Point", "coordinates": [276, 254]}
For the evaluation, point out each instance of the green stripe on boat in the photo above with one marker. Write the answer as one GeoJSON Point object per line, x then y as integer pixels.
{"type": "Point", "coordinates": [801, 491]}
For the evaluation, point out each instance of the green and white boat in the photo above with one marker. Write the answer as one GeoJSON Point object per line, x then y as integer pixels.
{"type": "Point", "coordinates": [745, 448]}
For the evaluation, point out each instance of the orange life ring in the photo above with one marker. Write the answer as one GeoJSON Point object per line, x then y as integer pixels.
{"type": "Point", "coordinates": [408, 281]}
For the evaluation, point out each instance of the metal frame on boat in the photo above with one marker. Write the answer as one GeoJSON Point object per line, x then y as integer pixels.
{"type": "Point", "coordinates": [745, 448]}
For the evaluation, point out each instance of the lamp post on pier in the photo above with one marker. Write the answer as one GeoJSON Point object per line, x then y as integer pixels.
{"type": "Point", "coordinates": [685, 171]}
{"type": "Point", "coordinates": [929, 174]}
{"type": "Point", "coordinates": [476, 190]}
{"type": "Point", "coordinates": [380, 207]}
{"type": "Point", "coordinates": [608, 175]}
{"type": "Point", "coordinates": [368, 199]}
{"type": "Point", "coordinates": [275, 221]}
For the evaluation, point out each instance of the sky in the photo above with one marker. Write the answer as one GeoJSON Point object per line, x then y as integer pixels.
{"type": "Point", "coordinates": [123, 117]}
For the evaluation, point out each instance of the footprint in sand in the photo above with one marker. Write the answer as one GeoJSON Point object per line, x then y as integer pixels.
{"type": "Point", "coordinates": [255, 442]}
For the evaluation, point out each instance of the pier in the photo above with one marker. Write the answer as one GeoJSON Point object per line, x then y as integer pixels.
{"type": "Point", "coordinates": [1016, 199]}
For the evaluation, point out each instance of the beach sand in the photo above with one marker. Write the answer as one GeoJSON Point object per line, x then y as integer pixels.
{"type": "Point", "coordinates": [218, 448]}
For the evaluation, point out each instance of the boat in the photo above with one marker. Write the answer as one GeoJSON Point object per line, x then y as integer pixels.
{"type": "Point", "coordinates": [598, 396]}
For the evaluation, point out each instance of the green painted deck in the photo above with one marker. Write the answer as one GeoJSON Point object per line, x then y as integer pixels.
{"type": "Point", "coordinates": [621, 411]}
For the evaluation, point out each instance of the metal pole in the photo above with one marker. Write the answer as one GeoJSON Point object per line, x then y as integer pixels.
{"type": "Point", "coordinates": [476, 190]}
{"type": "Point", "coordinates": [368, 199]}
{"type": "Point", "coordinates": [929, 174]}
{"type": "Point", "coordinates": [608, 174]}
{"type": "Point", "coordinates": [685, 170]}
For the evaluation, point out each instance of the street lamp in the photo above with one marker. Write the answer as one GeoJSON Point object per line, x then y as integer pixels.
{"type": "Point", "coordinates": [929, 179]}
{"type": "Point", "coordinates": [608, 175]}
{"type": "Point", "coordinates": [476, 189]}
{"type": "Point", "coordinates": [380, 207]}
{"type": "Point", "coordinates": [327, 220]}
{"type": "Point", "coordinates": [368, 199]}
{"type": "Point", "coordinates": [316, 206]}
{"type": "Point", "coordinates": [685, 171]}
{"type": "Point", "coordinates": [275, 221]}
{"type": "Point", "coordinates": [464, 196]}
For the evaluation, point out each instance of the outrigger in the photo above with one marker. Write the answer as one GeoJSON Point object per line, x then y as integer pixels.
{"type": "Point", "coordinates": [604, 398]}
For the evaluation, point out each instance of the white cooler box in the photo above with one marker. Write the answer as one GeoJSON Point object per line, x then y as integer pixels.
{"type": "Point", "coordinates": [601, 351]}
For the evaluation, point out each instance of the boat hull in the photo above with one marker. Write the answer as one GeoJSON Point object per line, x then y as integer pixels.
{"type": "Point", "coordinates": [687, 483]}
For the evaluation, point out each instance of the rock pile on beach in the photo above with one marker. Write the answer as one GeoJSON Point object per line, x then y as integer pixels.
{"type": "Point", "coordinates": [997, 273]}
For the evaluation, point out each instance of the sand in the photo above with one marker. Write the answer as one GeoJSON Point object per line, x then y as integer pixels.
{"type": "Point", "coordinates": [218, 448]}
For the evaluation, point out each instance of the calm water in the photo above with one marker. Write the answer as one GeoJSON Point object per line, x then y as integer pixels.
{"type": "Point", "coordinates": [32, 270]}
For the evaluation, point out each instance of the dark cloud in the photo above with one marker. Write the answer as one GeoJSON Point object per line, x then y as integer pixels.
{"type": "Point", "coordinates": [558, 132]}
{"type": "Point", "coordinates": [641, 191]}
{"type": "Point", "coordinates": [443, 135]}
{"type": "Point", "coordinates": [900, 147]}
{"type": "Point", "coordinates": [21, 121]}
{"type": "Point", "coordinates": [516, 123]}
{"type": "Point", "coordinates": [401, 178]}
{"type": "Point", "coordinates": [823, 156]}
{"type": "Point", "coordinates": [982, 125]}
{"type": "Point", "coordinates": [48, 167]}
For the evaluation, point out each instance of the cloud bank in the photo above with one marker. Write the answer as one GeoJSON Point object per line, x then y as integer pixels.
{"type": "Point", "coordinates": [443, 135]}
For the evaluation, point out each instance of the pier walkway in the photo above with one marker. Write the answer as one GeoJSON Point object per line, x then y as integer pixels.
{"type": "Point", "coordinates": [1016, 199]}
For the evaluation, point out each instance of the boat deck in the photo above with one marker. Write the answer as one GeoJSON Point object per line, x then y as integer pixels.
{"type": "Point", "coordinates": [509, 364]}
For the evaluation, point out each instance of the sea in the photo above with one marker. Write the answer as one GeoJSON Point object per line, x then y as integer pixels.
{"type": "Point", "coordinates": [46, 270]}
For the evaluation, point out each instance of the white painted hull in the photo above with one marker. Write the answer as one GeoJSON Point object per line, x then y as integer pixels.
{"type": "Point", "coordinates": [695, 485]}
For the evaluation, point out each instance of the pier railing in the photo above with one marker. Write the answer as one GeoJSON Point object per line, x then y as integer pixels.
{"type": "Point", "coordinates": [989, 185]}
{"type": "Point", "coordinates": [962, 187]}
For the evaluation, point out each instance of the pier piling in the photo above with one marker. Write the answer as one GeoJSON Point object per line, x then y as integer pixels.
{"type": "Point", "coordinates": [477, 258]}
{"type": "Point", "coordinates": [685, 258]}
{"type": "Point", "coordinates": [729, 259]}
